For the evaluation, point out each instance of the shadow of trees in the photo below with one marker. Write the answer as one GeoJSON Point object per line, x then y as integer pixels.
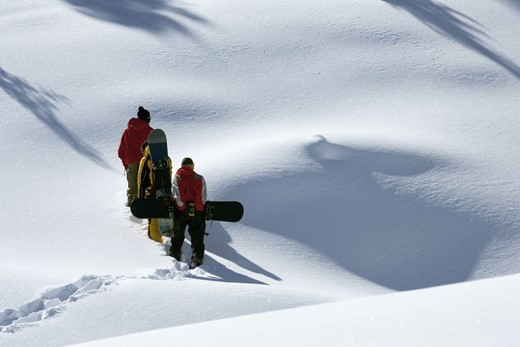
{"type": "Point", "coordinates": [457, 26]}
{"type": "Point", "coordinates": [514, 3]}
{"type": "Point", "coordinates": [150, 15]}
{"type": "Point", "coordinates": [43, 104]}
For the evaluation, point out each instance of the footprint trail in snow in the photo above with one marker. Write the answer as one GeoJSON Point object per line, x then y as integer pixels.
{"type": "Point", "coordinates": [52, 301]}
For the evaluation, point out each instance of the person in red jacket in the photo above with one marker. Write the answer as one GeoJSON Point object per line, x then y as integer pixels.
{"type": "Point", "coordinates": [130, 149]}
{"type": "Point", "coordinates": [190, 196]}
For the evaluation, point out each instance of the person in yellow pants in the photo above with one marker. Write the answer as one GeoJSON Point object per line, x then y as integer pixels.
{"type": "Point", "coordinates": [146, 189]}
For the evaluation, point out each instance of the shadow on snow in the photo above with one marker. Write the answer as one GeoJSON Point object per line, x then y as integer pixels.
{"type": "Point", "coordinates": [150, 15]}
{"type": "Point", "coordinates": [514, 3]}
{"type": "Point", "coordinates": [43, 104]}
{"type": "Point", "coordinates": [218, 241]}
{"type": "Point", "coordinates": [220, 244]}
{"type": "Point", "coordinates": [457, 26]}
{"type": "Point", "coordinates": [344, 213]}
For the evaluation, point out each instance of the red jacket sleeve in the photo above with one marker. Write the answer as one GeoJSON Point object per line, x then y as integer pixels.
{"type": "Point", "coordinates": [121, 152]}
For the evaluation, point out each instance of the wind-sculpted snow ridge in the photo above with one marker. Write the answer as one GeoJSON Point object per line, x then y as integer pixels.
{"type": "Point", "coordinates": [51, 302]}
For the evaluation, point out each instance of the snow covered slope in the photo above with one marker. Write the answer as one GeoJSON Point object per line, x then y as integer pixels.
{"type": "Point", "coordinates": [469, 314]}
{"type": "Point", "coordinates": [373, 144]}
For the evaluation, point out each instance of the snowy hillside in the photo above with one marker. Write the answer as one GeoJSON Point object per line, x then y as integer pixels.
{"type": "Point", "coordinates": [374, 145]}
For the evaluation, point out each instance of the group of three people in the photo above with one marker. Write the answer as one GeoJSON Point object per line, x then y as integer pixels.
{"type": "Point", "coordinates": [188, 188]}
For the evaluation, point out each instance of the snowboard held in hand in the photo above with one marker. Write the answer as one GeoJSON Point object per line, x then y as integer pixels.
{"type": "Point", "coordinates": [225, 211]}
{"type": "Point", "coordinates": [161, 168]}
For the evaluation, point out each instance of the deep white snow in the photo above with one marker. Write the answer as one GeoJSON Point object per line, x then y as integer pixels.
{"type": "Point", "coordinates": [373, 143]}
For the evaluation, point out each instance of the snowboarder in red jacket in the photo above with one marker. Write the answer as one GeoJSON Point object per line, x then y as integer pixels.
{"type": "Point", "coordinates": [130, 149]}
{"type": "Point", "coordinates": [189, 189]}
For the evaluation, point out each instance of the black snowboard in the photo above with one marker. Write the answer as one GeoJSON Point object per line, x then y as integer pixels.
{"type": "Point", "coordinates": [160, 163]}
{"type": "Point", "coordinates": [157, 144]}
{"type": "Point", "coordinates": [226, 211]}
{"type": "Point", "coordinates": [162, 178]}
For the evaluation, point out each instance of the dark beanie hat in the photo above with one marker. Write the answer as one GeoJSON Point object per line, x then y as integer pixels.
{"type": "Point", "coordinates": [186, 162]}
{"type": "Point", "coordinates": [143, 114]}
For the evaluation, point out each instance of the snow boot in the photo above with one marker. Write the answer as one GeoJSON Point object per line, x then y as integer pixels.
{"type": "Point", "coordinates": [175, 254]}
{"type": "Point", "coordinates": [196, 261]}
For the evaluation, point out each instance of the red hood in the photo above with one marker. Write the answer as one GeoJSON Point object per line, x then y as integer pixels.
{"type": "Point", "coordinates": [185, 171]}
{"type": "Point", "coordinates": [136, 122]}
{"type": "Point", "coordinates": [132, 139]}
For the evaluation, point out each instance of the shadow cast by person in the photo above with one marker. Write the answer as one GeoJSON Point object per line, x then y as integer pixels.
{"type": "Point", "coordinates": [223, 274]}
{"type": "Point", "coordinates": [149, 15]}
{"type": "Point", "coordinates": [345, 213]}
{"type": "Point", "coordinates": [43, 104]}
{"type": "Point", "coordinates": [219, 241]}
{"type": "Point", "coordinates": [457, 26]}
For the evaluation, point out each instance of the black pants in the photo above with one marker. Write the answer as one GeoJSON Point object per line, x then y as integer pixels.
{"type": "Point", "coordinates": [197, 230]}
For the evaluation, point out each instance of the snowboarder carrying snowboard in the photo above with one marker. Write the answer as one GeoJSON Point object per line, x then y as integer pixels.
{"type": "Point", "coordinates": [189, 189]}
{"type": "Point", "coordinates": [147, 188]}
{"type": "Point", "coordinates": [130, 149]}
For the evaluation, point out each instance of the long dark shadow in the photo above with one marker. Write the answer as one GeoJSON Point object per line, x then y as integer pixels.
{"type": "Point", "coordinates": [514, 3]}
{"type": "Point", "coordinates": [390, 239]}
{"type": "Point", "coordinates": [150, 15]}
{"type": "Point", "coordinates": [457, 26]}
{"type": "Point", "coordinates": [220, 244]}
{"type": "Point", "coordinates": [44, 104]}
